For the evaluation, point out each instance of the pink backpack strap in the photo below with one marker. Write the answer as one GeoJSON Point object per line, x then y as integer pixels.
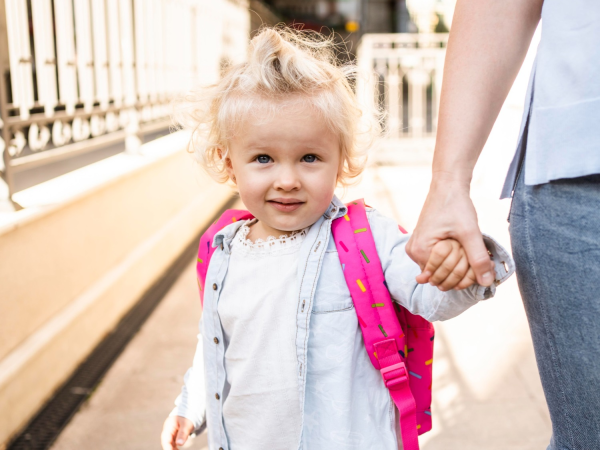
{"type": "Point", "coordinates": [205, 248]}
{"type": "Point", "coordinates": [382, 333]}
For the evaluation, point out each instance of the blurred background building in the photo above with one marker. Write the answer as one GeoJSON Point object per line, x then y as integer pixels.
{"type": "Point", "coordinates": [100, 204]}
{"type": "Point", "coordinates": [368, 16]}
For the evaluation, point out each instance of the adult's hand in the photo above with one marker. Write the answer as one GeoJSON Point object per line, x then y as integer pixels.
{"type": "Point", "coordinates": [449, 213]}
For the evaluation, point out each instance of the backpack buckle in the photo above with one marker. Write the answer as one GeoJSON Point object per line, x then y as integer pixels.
{"type": "Point", "coordinates": [395, 375]}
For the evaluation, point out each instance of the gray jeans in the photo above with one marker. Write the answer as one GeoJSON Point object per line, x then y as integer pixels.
{"type": "Point", "coordinates": [555, 232]}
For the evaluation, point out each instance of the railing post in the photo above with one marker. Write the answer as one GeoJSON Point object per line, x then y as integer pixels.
{"type": "Point", "coordinates": [418, 101]}
{"type": "Point", "coordinates": [365, 83]}
{"type": "Point", "coordinates": [6, 182]}
{"type": "Point", "coordinates": [133, 143]}
{"type": "Point", "coordinates": [394, 97]}
{"type": "Point", "coordinates": [6, 204]}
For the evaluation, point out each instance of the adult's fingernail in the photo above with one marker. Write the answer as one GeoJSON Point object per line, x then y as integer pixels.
{"type": "Point", "coordinates": [487, 277]}
{"type": "Point", "coordinates": [179, 441]}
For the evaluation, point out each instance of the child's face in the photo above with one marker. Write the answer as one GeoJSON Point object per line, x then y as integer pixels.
{"type": "Point", "coordinates": [285, 168]}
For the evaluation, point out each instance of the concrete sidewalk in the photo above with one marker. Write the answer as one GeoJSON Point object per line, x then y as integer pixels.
{"type": "Point", "coordinates": [129, 406]}
{"type": "Point", "coordinates": [487, 393]}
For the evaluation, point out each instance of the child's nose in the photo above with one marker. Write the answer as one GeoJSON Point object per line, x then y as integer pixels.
{"type": "Point", "coordinates": [287, 180]}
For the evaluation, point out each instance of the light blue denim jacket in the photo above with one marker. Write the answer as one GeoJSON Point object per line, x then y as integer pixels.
{"type": "Point", "coordinates": [344, 401]}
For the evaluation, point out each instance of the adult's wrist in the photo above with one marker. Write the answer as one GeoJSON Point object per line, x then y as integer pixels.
{"type": "Point", "coordinates": [451, 180]}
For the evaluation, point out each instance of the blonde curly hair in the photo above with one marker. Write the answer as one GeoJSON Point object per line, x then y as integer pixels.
{"type": "Point", "coordinates": [282, 63]}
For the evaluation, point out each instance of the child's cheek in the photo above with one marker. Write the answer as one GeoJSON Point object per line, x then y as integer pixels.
{"type": "Point", "coordinates": [247, 192]}
{"type": "Point", "coordinates": [253, 190]}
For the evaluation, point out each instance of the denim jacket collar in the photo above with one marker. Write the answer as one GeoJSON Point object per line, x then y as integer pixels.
{"type": "Point", "coordinates": [224, 237]}
{"type": "Point", "coordinates": [336, 209]}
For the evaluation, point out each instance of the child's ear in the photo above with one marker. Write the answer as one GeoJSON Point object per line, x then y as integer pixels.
{"type": "Point", "coordinates": [228, 165]}
{"type": "Point", "coordinates": [230, 170]}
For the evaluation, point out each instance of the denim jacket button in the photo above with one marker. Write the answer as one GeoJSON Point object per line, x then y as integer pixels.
{"type": "Point", "coordinates": [214, 286]}
{"type": "Point", "coordinates": [216, 340]}
{"type": "Point", "coordinates": [217, 396]}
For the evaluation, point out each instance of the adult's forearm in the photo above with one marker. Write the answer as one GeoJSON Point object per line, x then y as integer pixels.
{"type": "Point", "coordinates": [488, 43]}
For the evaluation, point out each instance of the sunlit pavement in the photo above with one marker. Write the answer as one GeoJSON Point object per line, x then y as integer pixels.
{"type": "Point", "coordinates": [129, 406]}
{"type": "Point", "coordinates": [487, 393]}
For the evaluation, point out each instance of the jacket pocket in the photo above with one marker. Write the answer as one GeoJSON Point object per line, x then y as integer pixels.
{"type": "Point", "coordinates": [332, 294]}
{"type": "Point", "coordinates": [333, 307]}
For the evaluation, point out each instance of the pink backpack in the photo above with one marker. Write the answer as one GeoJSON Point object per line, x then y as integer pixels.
{"type": "Point", "coordinates": [399, 344]}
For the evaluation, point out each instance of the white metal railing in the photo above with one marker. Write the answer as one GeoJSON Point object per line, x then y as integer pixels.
{"type": "Point", "coordinates": [89, 72]}
{"type": "Point", "coordinates": [401, 74]}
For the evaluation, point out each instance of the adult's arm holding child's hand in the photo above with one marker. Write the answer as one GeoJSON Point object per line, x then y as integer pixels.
{"type": "Point", "coordinates": [175, 432]}
{"type": "Point", "coordinates": [482, 61]}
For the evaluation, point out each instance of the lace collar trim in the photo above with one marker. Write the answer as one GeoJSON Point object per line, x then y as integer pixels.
{"type": "Point", "coordinates": [271, 246]}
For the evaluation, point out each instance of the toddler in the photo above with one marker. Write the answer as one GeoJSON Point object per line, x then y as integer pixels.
{"type": "Point", "coordinates": [280, 362]}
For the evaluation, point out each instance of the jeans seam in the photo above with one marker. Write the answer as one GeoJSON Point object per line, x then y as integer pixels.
{"type": "Point", "coordinates": [544, 313]}
{"type": "Point", "coordinates": [512, 198]}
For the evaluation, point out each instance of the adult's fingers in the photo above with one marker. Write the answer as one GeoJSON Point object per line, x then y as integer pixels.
{"type": "Point", "coordinates": [419, 249]}
{"type": "Point", "coordinates": [470, 279]}
{"type": "Point", "coordinates": [478, 256]}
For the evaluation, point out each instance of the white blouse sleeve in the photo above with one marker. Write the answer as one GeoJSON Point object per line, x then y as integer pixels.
{"type": "Point", "coordinates": [191, 403]}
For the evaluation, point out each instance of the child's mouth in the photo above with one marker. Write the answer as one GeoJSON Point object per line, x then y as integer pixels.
{"type": "Point", "coordinates": [286, 205]}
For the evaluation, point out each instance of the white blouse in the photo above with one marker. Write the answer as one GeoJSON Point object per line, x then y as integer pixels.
{"type": "Point", "coordinates": [257, 308]}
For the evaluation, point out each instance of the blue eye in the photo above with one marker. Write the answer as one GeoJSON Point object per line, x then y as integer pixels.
{"type": "Point", "coordinates": [263, 159]}
{"type": "Point", "coordinates": [309, 158]}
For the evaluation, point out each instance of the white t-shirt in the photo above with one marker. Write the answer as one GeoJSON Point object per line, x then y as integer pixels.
{"type": "Point", "coordinates": [257, 308]}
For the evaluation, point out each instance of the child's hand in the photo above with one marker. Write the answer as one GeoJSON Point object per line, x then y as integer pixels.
{"type": "Point", "coordinates": [175, 432]}
{"type": "Point", "coordinates": [448, 267]}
